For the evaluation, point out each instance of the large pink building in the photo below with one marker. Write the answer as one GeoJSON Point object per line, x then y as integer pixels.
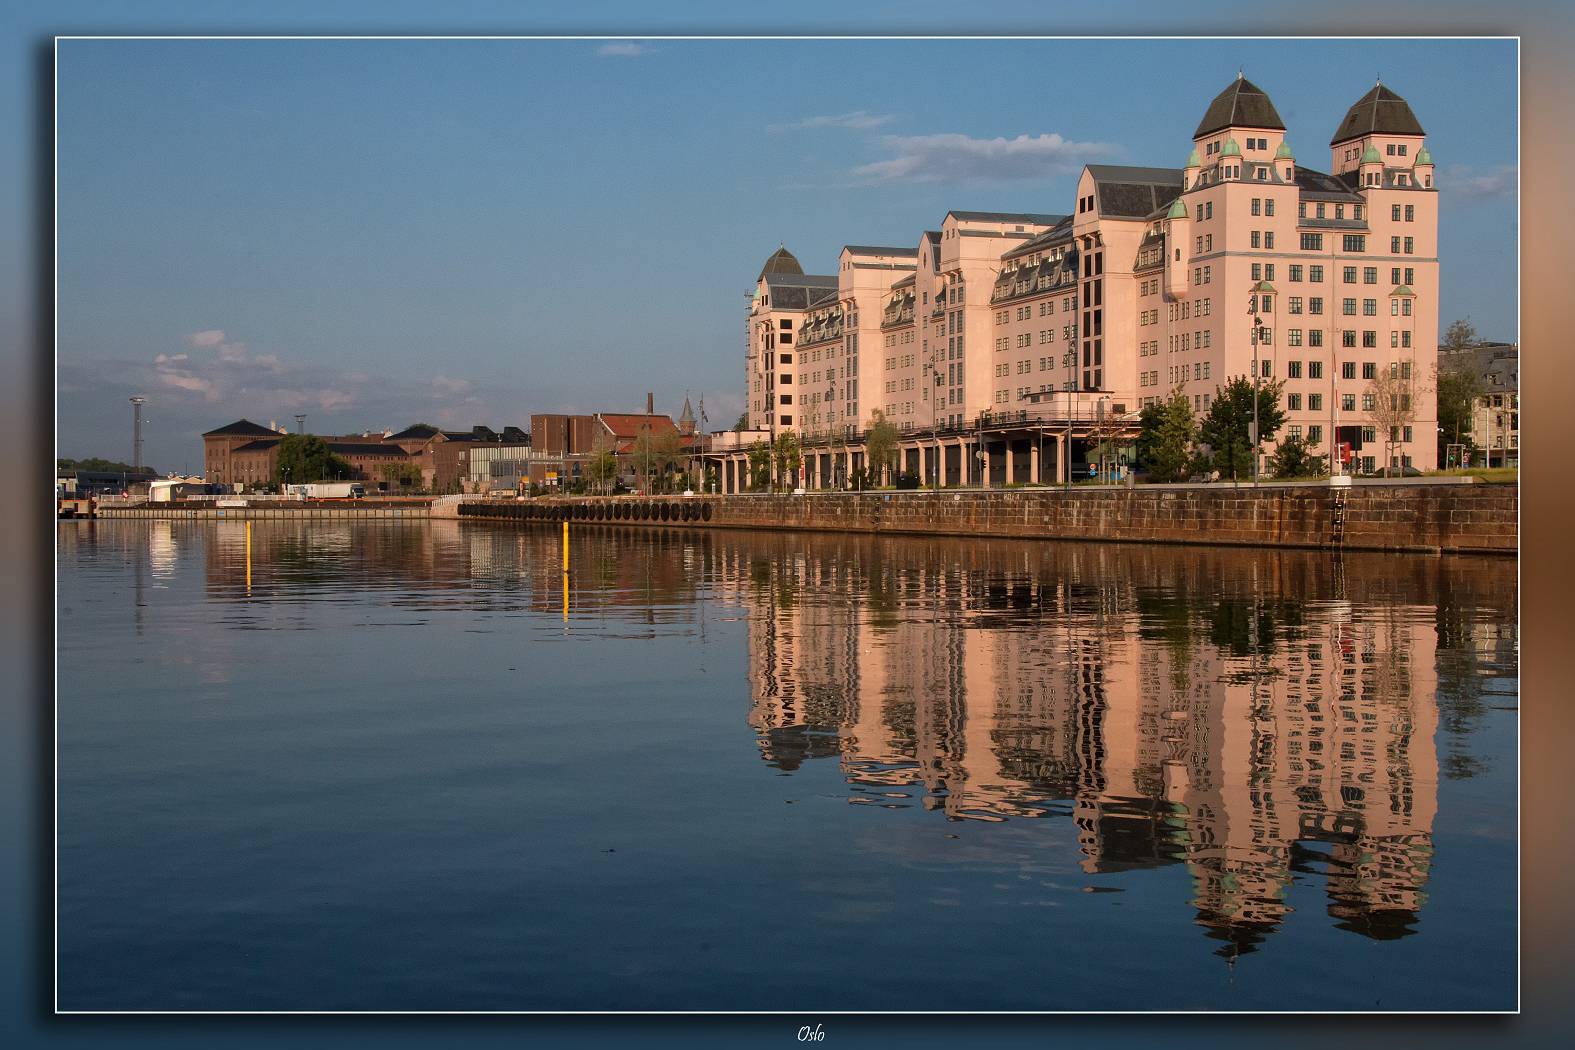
{"type": "Point", "coordinates": [1004, 345]}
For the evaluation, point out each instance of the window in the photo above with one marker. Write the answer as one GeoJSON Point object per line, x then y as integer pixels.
{"type": "Point", "coordinates": [1368, 403]}
{"type": "Point", "coordinates": [1339, 211]}
{"type": "Point", "coordinates": [1257, 268]}
{"type": "Point", "coordinates": [1293, 369]}
{"type": "Point", "coordinates": [1320, 209]}
{"type": "Point", "coordinates": [1257, 206]}
{"type": "Point", "coordinates": [1369, 275]}
{"type": "Point", "coordinates": [1315, 402]}
{"type": "Point", "coordinates": [1348, 338]}
{"type": "Point", "coordinates": [1296, 269]}
{"type": "Point", "coordinates": [1347, 402]}
{"type": "Point", "coordinates": [1257, 239]}
{"type": "Point", "coordinates": [1369, 370]}
{"type": "Point", "coordinates": [1293, 402]}
{"type": "Point", "coordinates": [1315, 368]}
{"type": "Point", "coordinates": [1410, 213]}
{"type": "Point", "coordinates": [1314, 338]}
{"type": "Point", "coordinates": [1268, 238]}
{"type": "Point", "coordinates": [1347, 369]}
{"type": "Point", "coordinates": [1311, 242]}
{"type": "Point", "coordinates": [1394, 246]}
{"type": "Point", "coordinates": [1348, 274]}
{"type": "Point", "coordinates": [1369, 338]}
{"type": "Point", "coordinates": [1268, 202]}
{"type": "Point", "coordinates": [1293, 337]}
{"type": "Point", "coordinates": [1369, 307]}
{"type": "Point", "coordinates": [1409, 245]}
{"type": "Point", "coordinates": [1394, 213]}
{"type": "Point", "coordinates": [1315, 306]}
{"type": "Point", "coordinates": [1301, 210]}
{"type": "Point", "coordinates": [1315, 274]}
{"type": "Point", "coordinates": [1348, 307]}
{"type": "Point", "coordinates": [1354, 242]}
{"type": "Point", "coordinates": [1294, 304]}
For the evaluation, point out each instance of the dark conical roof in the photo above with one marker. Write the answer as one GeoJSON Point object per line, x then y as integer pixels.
{"type": "Point", "coordinates": [781, 261]}
{"type": "Point", "coordinates": [1379, 112]}
{"type": "Point", "coordinates": [1241, 105]}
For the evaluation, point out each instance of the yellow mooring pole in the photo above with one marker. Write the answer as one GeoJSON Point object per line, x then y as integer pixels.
{"type": "Point", "coordinates": [248, 558]}
{"type": "Point", "coordinates": [565, 572]}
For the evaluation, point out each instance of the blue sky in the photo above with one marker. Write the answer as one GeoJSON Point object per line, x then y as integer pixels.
{"type": "Point", "coordinates": [465, 232]}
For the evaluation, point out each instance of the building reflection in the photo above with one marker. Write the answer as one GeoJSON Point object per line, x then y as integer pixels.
{"type": "Point", "coordinates": [1270, 721]}
{"type": "Point", "coordinates": [1236, 713]}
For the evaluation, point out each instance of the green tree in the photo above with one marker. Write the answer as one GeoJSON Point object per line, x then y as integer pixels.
{"type": "Point", "coordinates": [111, 466]}
{"type": "Point", "coordinates": [1293, 458]}
{"type": "Point", "coordinates": [307, 457]}
{"type": "Point", "coordinates": [759, 466]}
{"type": "Point", "coordinates": [880, 446]}
{"type": "Point", "coordinates": [1227, 427]}
{"type": "Point", "coordinates": [656, 454]}
{"type": "Point", "coordinates": [1164, 445]}
{"type": "Point", "coordinates": [743, 422]}
{"type": "Point", "coordinates": [602, 470]}
{"type": "Point", "coordinates": [400, 475]}
{"type": "Point", "coordinates": [788, 455]}
{"type": "Point", "coordinates": [1459, 386]}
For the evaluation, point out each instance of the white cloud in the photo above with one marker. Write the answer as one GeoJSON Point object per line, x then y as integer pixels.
{"type": "Point", "coordinates": [624, 50]}
{"type": "Point", "coordinates": [445, 386]}
{"type": "Point", "coordinates": [859, 120]}
{"type": "Point", "coordinates": [959, 158]}
{"type": "Point", "coordinates": [1464, 182]}
{"type": "Point", "coordinates": [212, 337]}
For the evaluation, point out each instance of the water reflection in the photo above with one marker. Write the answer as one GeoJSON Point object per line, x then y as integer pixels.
{"type": "Point", "coordinates": [1265, 720]}
{"type": "Point", "coordinates": [1256, 718]}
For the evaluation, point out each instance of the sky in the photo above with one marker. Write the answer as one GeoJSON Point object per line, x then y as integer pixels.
{"type": "Point", "coordinates": [375, 233]}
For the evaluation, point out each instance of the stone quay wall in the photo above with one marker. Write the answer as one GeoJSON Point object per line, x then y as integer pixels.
{"type": "Point", "coordinates": [1422, 518]}
{"type": "Point", "coordinates": [268, 512]}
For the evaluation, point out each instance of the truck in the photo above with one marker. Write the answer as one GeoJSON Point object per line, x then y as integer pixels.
{"type": "Point", "coordinates": [327, 490]}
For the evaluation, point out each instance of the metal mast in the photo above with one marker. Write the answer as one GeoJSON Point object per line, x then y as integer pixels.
{"type": "Point", "coordinates": [136, 431]}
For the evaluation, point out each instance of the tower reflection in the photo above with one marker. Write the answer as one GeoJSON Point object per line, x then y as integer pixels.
{"type": "Point", "coordinates": [1240, 714]}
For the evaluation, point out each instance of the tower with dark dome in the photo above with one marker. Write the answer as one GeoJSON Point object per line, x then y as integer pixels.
{"type": "Point", "coordinates": [781, 261]}
{"type": "Point", "coordinates": [1380, 139]}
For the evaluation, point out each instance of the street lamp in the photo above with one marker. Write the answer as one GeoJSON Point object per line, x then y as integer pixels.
{"type": "Point", "coordinates": [1260, 289]}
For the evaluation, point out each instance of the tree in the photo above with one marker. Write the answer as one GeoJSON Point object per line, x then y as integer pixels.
{"type": "Point", "coordinates": [98, 463]}
{"type": "Point", "coordinates": [788, 455]}
{"type": "Point", "coordinates": [400, 475]}
{"type": "Point", "coordinates": [1164, 446]}
{"type": "Point", "coordinates": [880, 446]}
{"type": "Point", "coordinates": [307, 457]}
{"type": "Point", "coordinates": [656, 454]}
{"type": "Point", "coordinates": [1460, 334]}
{"type": "Point", "coordinates": [1459, 387]}
{"type": "Point", "coordinates": [743, 422]}
{"type": "Point", "coordinates": [1227, 428]}
{"type": "Point", "coordinates": [1293, 458]}
{"type": "Point", "coordinates": [602, 470]}
{"type": "Point", "coordinates": [759, 466]}
{"type": "Point", "coordinates": [1390, 402]}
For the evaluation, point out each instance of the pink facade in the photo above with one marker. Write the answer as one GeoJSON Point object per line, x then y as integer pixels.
{"type": "Point", "coordinates": [1147, 285]}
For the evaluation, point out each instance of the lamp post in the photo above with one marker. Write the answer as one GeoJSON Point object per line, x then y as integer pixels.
{"type": "Point", "coordinates": [1258, 290]}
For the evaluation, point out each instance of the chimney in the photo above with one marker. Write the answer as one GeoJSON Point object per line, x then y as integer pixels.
{"type": "Point", "coordinates": [650, 403]}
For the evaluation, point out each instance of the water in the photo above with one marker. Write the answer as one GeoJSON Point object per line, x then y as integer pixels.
{"type": "Point", "coordinates": [394, 770]}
